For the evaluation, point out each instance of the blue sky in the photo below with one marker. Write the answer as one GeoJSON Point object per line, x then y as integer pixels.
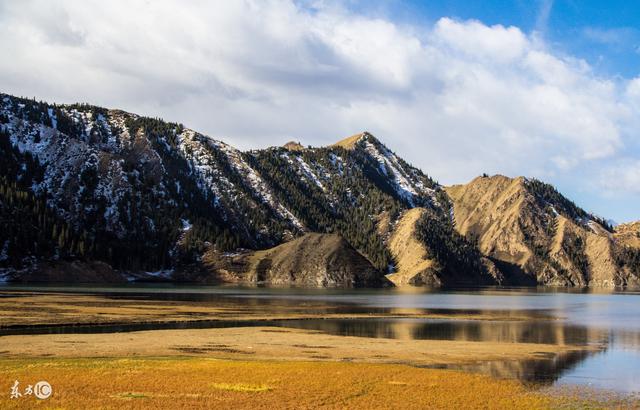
{"type": "Point", "coordinates": [605, 33]}
{"type": "Point", "coordinates": [547, 89]}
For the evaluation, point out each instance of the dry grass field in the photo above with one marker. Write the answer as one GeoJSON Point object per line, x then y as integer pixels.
{"type": "Point", "coordinates": [177, 383]}
{"type": "Point", "coordinates": [194, 383]}
{"type": "Point", "coordinates": [272, 343]}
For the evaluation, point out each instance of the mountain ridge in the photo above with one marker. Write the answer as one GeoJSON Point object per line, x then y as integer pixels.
{"type": "Point", "coordinates": [141, 194]}
{"type": "Point", "coordinates": [539, 235]}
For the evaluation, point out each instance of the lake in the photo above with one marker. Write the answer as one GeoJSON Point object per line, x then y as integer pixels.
{"type": "Point", "coordinates": [608, 320]}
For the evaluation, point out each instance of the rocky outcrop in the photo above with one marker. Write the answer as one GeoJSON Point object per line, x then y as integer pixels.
{"type": "Point", "coordinates": [349, 143]}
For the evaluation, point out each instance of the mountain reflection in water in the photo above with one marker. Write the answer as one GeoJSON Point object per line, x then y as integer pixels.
{"type": "Point", "coordinates": [547, 332]}
{"type": "Point", "coordinates": [544, 369]}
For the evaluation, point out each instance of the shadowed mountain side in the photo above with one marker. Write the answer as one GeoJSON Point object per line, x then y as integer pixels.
{"type": "Point", "coordinates": [72, 272]}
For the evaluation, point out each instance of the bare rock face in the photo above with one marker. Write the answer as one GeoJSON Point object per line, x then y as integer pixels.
{"type": "Point", "coordinates": [536, 236]}
{"type": "Point", "coordinates": [313, 260]}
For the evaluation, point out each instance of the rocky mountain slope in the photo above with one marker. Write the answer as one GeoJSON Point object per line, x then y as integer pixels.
{"type": "Point", "coordinates": [430, 252]}
{"type": "Point", "coordinates": [628, 234]}
{"type": "Point", "coordinates": [142, 198]}
{"type": "Point", "coordinates": [536, 236]}
{"type": "Point", "coordinates": [414, 264]}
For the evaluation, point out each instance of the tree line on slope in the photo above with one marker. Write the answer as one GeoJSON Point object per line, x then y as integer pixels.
{"type": "Point", "coordinates": [352, 198]}
{"type": "Point", "coordinates": [458, 257]}
{"type": "Point", "coordinates": [547, 194]}
{"type": "Point", "coordinates": [34, 229]}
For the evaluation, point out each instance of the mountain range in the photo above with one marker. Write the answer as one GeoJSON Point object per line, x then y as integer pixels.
{"type": "Point", "coordinates": [89, 194]}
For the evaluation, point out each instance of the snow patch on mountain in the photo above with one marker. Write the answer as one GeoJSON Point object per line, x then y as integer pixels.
{"type": "Point", "coordinates": [255, 181]}
{"type": "Point", "coordinates": [388, 163]}
{"type": "Point", "coordinates": [308, 172]}
{"type": "Point", "coordinates": [337, 162]}
{"type": "Point", "coordinates": [210, 179]}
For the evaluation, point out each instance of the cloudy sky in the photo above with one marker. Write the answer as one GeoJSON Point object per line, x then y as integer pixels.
{"type": "Point", "coordinates": [545, 89]}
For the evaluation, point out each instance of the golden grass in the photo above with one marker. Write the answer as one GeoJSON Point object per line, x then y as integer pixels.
{"type": "Point", "coordinates": [241, 387]}
{"type": "Point", "coordinates": [181, 383]}
{"type": "Point", "coordinates": [349, 142]}
{"type": "Point", "coordinates": [268, 343]}
{"type": "Point", "coordinates": [131, 395]}
{"type": "Point", "coordinates": [203, 383]}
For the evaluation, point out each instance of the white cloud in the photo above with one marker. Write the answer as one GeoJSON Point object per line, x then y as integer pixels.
{"type": "Point", "coordinates": [496, 43]}
{"type": "Point", "coordinates": [633, 89]}
{"type": "Point", "coordinates": [457, 99]}
{"type": "Point", "coordinates": [621, 178]}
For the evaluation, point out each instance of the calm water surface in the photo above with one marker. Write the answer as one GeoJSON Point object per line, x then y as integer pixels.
{"type": "Point", "coordinates": [610, 321]}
